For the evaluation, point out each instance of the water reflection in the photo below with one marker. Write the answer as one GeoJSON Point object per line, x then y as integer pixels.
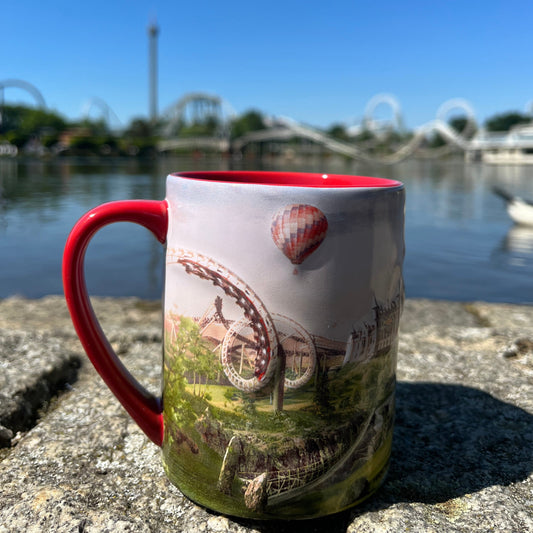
{"type": "Point", "coordinates": [516, 248]}
{"type": "Point", "coordinates": [461, 244]}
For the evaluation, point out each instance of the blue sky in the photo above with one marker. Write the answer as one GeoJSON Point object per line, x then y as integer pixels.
{"type": "Point", "coordinates": [318, 62]}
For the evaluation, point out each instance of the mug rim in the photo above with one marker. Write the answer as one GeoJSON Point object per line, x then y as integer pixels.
{"type": "Point", "coordinates": [289, 179]}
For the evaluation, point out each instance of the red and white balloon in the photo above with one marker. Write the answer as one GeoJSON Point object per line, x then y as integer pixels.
{"type": "Point", "coordinates": [298, 230]}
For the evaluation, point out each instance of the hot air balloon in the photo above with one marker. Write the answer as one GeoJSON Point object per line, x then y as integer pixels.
{"type": "Point", "coordinates": [298, 230]}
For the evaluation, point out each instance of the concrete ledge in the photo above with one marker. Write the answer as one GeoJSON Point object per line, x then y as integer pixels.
{"type": "Point", "coordinates": [462, 457]}
{"type": "Point", "coordinates": [34, 368]}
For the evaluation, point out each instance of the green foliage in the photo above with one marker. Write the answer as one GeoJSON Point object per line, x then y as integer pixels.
{"type": "Point", "coordinates": [138, 146]}
{"type": "Point", "coordinates": [365, 135]}
{"type": "Point", "coordinates": [207, 127]}
{"type": "Point", "coordinates": [19, 124]}
{"type": "Point", "coordinates": [83, 143]}
{"type": "Point", "coordinates": [140, 128]}
{"type": "Point", "coordinates": [251, 121]}
{"type": "Point", "coordinates": [358, 386]}
{"type": "Point", "coordinates": [338, 131]}
{"type": "Point", "coordinates": [95, 128]}
{"type": "Point", "coordinates": [176, 404]}
{"type": "Point", "coordinates": [458, 124]}
{"type": "Point", "coordinates": [505, 121]}
{"type": "Point", "coordinates": [230, 394]}
{"type": "Point", "coordinates": [190, 354]}
{"type": "Point", "coordinates": [322, 395]}
{"type": "Point", "coordinates": [15, 138]}
{"type": "Point", "coordinates": [28, 121]}
{"type": "Point", "coordinates": [247, 407]}
{"type": "Point", "coordinates": [50, 139]}
{"type": "Point", "coordinates": [436, 140]}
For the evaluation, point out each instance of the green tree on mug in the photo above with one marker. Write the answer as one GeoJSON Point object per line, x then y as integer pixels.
{"type": "Point", "coordinates": [188, 353]}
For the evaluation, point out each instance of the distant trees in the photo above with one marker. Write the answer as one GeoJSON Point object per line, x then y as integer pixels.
{"type": "Point", "coordinates": [250, 121]}
{"type": "Point", "coordinates": [140, 128]}
{"type": "Point", "coordinates": [459, 124]}
{"type": "Point", "coordinates": [19, 124]}
{"type": "Point", "coordinates": [338, 131]}
{"type": "Point", "coordinates": [505, 121]}
{"type": "Point", "coordinates": [50, 132]}
{"type": "Point", "coordinates": [140, 137]}
{"type": "Point", "coordinates": [501, 122]}
{"type": "Point", "coordinates": [24, 126]}
{"type": "Point", "coordinates": [204, 127]}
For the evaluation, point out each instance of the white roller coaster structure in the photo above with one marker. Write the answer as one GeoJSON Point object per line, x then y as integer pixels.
{"type": "Point", "coordinates": [108, 114]}
{"type": "Point", "coordinates": [30, 89]}
{"type": "Point", "coordinates": [379, 100]}
{"type": "Point", "coordinates": [24, 85]}
{"type": "Point", "coordinates": [287, 129]}
{"type": "Point", "coordinates": [198, 106]}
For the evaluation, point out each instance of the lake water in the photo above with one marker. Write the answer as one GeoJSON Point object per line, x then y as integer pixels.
{"type": "Point", "coordinates": [461, 244]}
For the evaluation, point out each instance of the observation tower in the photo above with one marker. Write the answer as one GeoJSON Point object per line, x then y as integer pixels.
{"type": "Point", "coordinates": [153, 33]}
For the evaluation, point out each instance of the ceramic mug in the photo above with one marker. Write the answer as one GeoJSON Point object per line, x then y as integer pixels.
{"type": "Point", "coordinates": [283, 294]}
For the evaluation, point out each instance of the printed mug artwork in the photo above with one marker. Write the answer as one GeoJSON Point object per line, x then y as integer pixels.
{"type": "Point", "coordinates": [263, 418]}
{"type": "Point", "coordinates": [298, 230]}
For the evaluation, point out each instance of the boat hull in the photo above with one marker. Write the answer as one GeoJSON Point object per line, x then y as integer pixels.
{"type": "Point", "coordinates": [521, 212]}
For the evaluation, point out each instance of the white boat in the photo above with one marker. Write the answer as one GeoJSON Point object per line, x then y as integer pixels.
{"type": "Point", "coordinates": [520, 210]}
{"type": "Point", "coordinates": [514, 147]}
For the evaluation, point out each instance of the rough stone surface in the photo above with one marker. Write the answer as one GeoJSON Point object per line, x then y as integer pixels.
{"type": "Point", "coordinates": [256, 493]}
{"type": "Point", "coordinates": [34, 367]}
{"type": "Point", "coordinates": [462, 454]}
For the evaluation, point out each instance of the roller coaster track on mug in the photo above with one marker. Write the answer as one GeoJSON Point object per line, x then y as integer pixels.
{"type": "Point", "coordinates": [250, 348]}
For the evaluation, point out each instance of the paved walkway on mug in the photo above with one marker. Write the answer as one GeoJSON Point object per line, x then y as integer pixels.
{"type": "Point", "coordinates": [462, 455]}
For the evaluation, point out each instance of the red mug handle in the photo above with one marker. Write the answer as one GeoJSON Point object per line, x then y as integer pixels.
{"type": "Point", "coordinates": [143, 406]}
